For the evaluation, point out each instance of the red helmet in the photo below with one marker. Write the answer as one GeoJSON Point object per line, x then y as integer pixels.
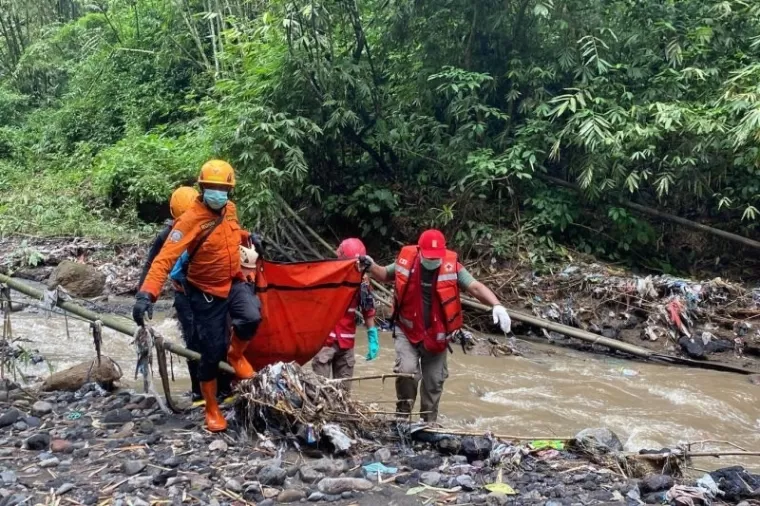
{"type": "Point", "coordinates": [432, 244]}
{"type": "Point", "coordinates": [351, 248]}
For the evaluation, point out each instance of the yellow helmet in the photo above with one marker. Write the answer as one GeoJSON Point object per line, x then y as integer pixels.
{"type": "Point", "coordinates": [217, 172]}
{"type": "Point", "coordinates": [182, 198]}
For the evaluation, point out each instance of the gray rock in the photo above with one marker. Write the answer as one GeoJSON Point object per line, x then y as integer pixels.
{"type": "Point", "coordinates": [218, 445]}
{"type": "Point", "coordinates": [272, 476]}
{"type": "Point", "coordinates": [476, 448]}
{"type": "Point", "coordinates": [8, 477]}
{"type": "Point", "coordinates": [316, 497]}
{"type": "Point", "coordinates": [336, 486]}
{"type": "Point", "coordinates": [310, 475]}
{"type": "Point", "coordinates": [172, 461]}
{"type": "Point", "coordinates": [198, 482]}
{"type": "Point", "coordinates": [655, 483]}
{"type": "Point", "coordinates": [553, 503]}
{"type": "Point", "coordinates": [600, 437]}
{"type": "Point", "coordinates": [328, 467]}
{"type": "Point", "coordinates": [290, 495]}
{"type": "Point", "coordinates": [33, 421]}
{"type": "Point", "coordinates": [51, 462]}
{"type": "Point", "coordinates": [140, 481]}
{"type": "Point", "coordinates": [267, 502]}
{"type": "Point", "coordinates": [495, 499]}
{"type": "Point", "coordinates": [41, 408]}
{"type": "Point", "coordinates": [20, 426]}
{"type": "Point", "coordinates": [132, 467]}
{"type": "Point", "coordinates": [346, 495]}
{"type": "Point", "coordinates": [118, 416]}
{"type": "Point", "coordinates": [424, 462]}
{"type": "Point", "coordinates": [383, 455]}
{"type": "Point", "coordinates": [466, 482]}
{"type": "Point", "coordinates": [66, 487]}
{"type": "Point", "coordinates": [464, 499]}
{"type": "Point", "coordinates": [146, 427]}
{"type": "Point", "coordinates": [430, 478]}
{"type": "Point", "coordinates": [81, 280]}
{"type": "Point", "coordinates": [15, 500]}
{"type": "Point", "coordinates": [38, 442]}
{"type": "Point", "coordinates": [233, 485]}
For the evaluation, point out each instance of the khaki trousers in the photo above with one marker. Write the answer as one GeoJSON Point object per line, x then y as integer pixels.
{"type": "Point", "coordinates": [333, 362]}
{"type": "Point", "coordinates": [431, 368]}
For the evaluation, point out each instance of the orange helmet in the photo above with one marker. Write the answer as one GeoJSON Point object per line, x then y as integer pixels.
{"type": "Point", "coordinates": [182, 198]}
{"type": "Point", "coordinates": [217, 172]}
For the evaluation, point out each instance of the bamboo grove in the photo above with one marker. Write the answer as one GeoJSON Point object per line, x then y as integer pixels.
{"type": "Point", "coordinates": [384, 116]}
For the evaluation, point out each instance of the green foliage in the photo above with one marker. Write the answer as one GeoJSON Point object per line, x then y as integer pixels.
{"type": "Point", "coordinates": [391, 116]}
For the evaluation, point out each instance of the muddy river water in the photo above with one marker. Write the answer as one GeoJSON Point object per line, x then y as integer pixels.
{"type": "Point", "coordinates": [548, 392]}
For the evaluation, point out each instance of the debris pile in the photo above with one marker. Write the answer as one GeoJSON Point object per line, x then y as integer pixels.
{"type": "Point", "coordinates": [291, 402]}
{"type": "Point", "coordinates": [697, 317]}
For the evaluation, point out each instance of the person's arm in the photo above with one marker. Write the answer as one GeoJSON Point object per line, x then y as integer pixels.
{"type": "Point", "coordinates": [484, 294]}
{"type": "Point", "coordinates": [158, 243]}
{"type": "Point", "coordinates": [384, 274]}
{"type": "Point", "coordinates": [181, 237]}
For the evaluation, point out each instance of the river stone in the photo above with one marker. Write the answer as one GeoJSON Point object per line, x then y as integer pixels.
{"type": "Point", "coordinates": [272, 476]}
{"type": "Point", "coordinates": [600, 437]}
{"type": "Point", "coordinates": [51, 462]}
{"type": "Point", "coordinates": [316, 497]}
{"type": "Point", "coordinates": [218, 445]}
{"type": "Point", "coordinates": [466, 482]}
{"type": "Point", "coordinates": [8, 477]}
{"type": "Point", "coordinates": [327, 467]}
{"type": "Point", "coordinates": [80, 280]}
{"type": "Point", "coordinates": [383, 455]}
{"type": "Point", "coordinates": [655, 483]}
{"type": "Point", "coordinates": [132, 467]}
{"type": "Point", "coordinates": [118, 416]}
{"type": "Point", "coordinates": [336, 486]}
{"type": "Point", "coordinates": [66, 487]}
{"type": "Point", "coordinates": [233, 484]}
{"type": "Point", "coordinates": [476, 448]}
{"type": "Point", "coordinates": [41, 408]}
{"type": "Point", "coordinates": [430, 478]}
{"type": "Point", "coordinates": [291, 495]}
{"type": "Point", "coordinates": [424, 462]}
{"type": "Point", "coordinates": [310, 475]}
{"type": "Point", "coordinates": [38, 442]}
{"type": "Point", "coordinates": [33, 421]}
{"type": "Point", "coordinates": [9, 417]}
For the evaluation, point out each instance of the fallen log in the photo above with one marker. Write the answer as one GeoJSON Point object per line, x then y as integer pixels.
{"type": "Point", "coordinates": [73, 378]}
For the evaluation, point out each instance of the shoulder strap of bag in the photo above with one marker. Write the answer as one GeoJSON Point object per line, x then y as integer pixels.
{"type": "Point", "coordinates": [203, 238]}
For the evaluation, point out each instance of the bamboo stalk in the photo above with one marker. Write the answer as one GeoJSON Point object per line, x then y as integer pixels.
{"type": "Point", "coordinates": [455, 432]}
{"type": "Point", "coordinates": [664, 456]}
{"type": "Point", "coordinates": [374, 376]}
{"type": "Point", "coordinates": [118, 324]}
{"type": "Point", "coordinates": [666, 216]}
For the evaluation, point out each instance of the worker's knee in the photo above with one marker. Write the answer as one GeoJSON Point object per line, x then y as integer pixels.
{"type": "Point", "coordinates": [245, 310]}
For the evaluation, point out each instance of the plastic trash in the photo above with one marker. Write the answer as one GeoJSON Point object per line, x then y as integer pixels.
{"type": "Point", "coordinates": [500, 488]}
{"type": "Point", "coordinates": [379, 467]}
{"type": "Point", "coordinates": [337, 437]}
{"type": "Point", "coordinates": [546, 444]}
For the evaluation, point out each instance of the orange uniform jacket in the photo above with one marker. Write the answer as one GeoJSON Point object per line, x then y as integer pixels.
{"type": "Point", "coordinates": [214, 265]}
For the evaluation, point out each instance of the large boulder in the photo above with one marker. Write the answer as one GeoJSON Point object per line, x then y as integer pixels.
{"type": "Point", "coordinates": [80, 280]}
{"type": "Point", "coordinates": [73, 378]}
{"type": "Point", "coordinates": [601, 437]}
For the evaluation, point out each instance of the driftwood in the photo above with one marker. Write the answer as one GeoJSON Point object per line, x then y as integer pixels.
{"type": "Point", "coordinates": [73, 378]}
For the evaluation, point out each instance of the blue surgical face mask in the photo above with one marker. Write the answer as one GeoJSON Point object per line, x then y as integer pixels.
{"type": "Point", "coordinates": [430, 264]}
{"type": "Point", "coordinates": [215, 199]}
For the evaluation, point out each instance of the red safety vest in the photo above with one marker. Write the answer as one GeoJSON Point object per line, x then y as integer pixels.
{"type": "Point", "coordinates": [446, 310]}
{"type": "Point", "coordinates": [344, 332]}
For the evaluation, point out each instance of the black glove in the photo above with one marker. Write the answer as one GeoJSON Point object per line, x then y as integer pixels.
{"type": "Point", "coordinates": [365, 261]}
{"type": "Point", "coordinates": [259, 243]}
{"type": "Point", "coordinates": [143, 305]}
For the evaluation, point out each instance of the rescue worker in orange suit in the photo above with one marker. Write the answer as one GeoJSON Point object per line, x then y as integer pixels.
{"type": "Point", "coordinates": [211, 235]}
{"type": "Point", "coordinates": [336, 358]}
{"type": "Point", "coordinates": [181, 200]}
{"type": "Point", "coordinates": [428, 279]}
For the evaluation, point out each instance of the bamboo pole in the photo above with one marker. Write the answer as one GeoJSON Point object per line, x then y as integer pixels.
{"type": "Point", "coordinates": [583, 335]}
{"type": "Point", "coordinates": [665, 216]}
{"type": "Point", "coordinates": [455, 432]}
{"type": "Point", "coordinates": [118, 324]}
{"type": "Point", "coordinates": [374, 376]}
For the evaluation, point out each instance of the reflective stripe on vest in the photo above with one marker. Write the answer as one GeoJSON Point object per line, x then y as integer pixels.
{"type": "Point", "coordinates": [343, 336]}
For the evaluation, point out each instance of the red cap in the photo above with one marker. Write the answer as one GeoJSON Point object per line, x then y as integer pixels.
{"type": "Point", "coordinates": [432, 244]}
{"type": "Point", "coordinates": [351, 248]}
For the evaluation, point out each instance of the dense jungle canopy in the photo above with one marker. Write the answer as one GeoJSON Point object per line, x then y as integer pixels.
{"type": "Point", "coordinates": [382, 117]}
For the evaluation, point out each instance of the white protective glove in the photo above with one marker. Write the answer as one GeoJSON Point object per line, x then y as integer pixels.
{"type": "Point", "coordinates": [501, 317]}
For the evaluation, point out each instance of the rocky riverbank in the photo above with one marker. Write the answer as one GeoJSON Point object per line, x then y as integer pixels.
{"type": "Point", "coordinates": [94, 447]}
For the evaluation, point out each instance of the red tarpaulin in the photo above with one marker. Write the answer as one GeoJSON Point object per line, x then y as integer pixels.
{"type": "Point", "coordinates": [301, 304]}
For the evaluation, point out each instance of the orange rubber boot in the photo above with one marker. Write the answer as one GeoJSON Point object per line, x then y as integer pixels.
{"type": "Point", "coordinates": [215, 421]}
{"type": "Point", "coordinates": [236, 358]}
